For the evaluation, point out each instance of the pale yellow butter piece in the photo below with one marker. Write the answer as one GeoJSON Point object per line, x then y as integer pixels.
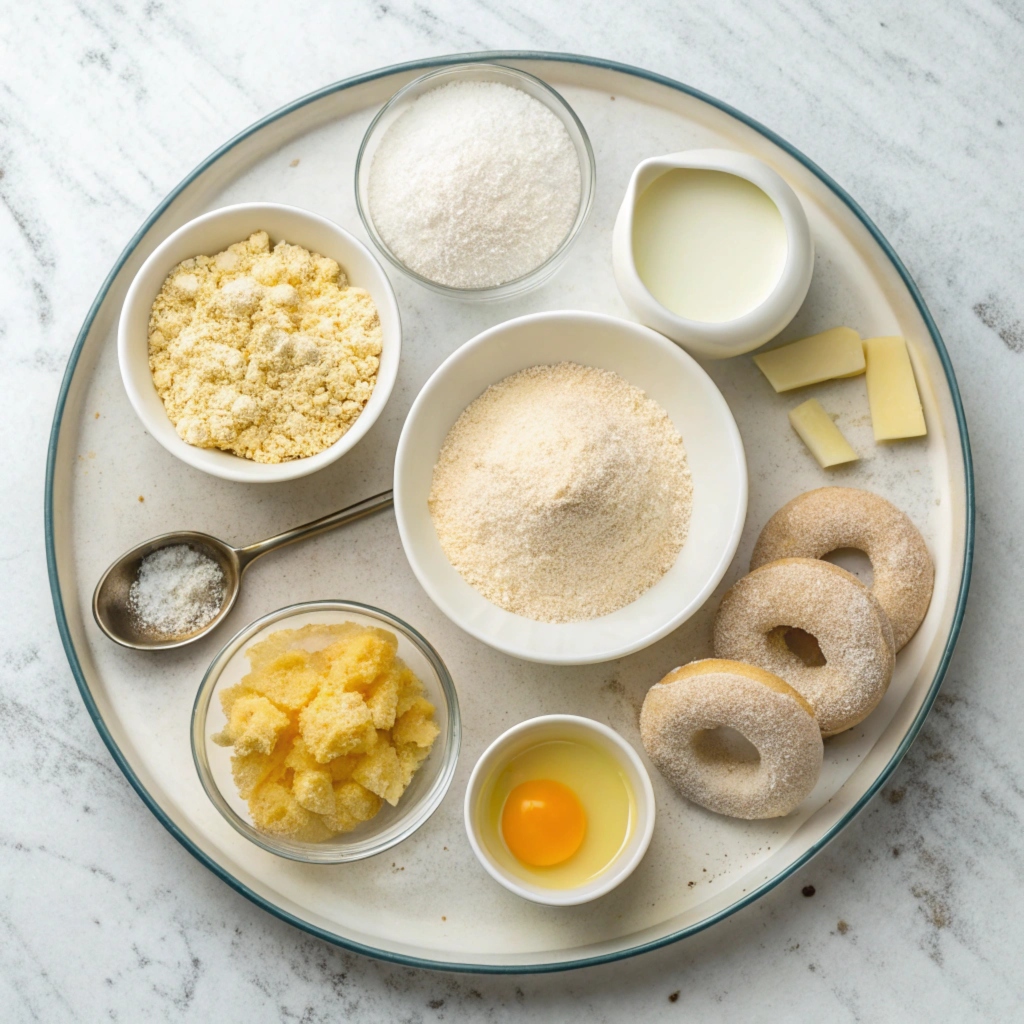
{"type": "Point", "coordinates": [892, 391]}
{"type": "Point", "coordinates": [834, 353]}
{"type": "Point", "coordinates": [824, 439]}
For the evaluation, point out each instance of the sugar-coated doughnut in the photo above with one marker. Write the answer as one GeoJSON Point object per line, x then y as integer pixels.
{"type": "Point", "coordinates": [815, 523]}
{"type": "Point", "coordinates": [837, 610]}
{"type": "Point", "coordinates": [678, 723]}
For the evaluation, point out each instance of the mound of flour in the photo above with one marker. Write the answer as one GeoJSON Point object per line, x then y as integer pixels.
{"type": "Point", "coordinates": [562, 493]}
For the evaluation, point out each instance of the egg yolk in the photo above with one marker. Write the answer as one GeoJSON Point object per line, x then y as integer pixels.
{"type": "Point", "coordinates": [543, 822]}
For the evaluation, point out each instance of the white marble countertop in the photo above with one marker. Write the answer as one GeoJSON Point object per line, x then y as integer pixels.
{"type": "Point", "coordinates": [917, 906]}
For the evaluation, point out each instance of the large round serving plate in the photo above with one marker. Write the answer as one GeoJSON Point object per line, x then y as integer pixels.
{"type": "Point", "coordinates": [428, 902]}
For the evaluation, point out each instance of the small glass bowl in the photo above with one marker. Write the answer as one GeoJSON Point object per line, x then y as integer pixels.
{"type": "Point", "coordinates": [392, 824]}
{"type": "Point", "coordinates": [529, 84]}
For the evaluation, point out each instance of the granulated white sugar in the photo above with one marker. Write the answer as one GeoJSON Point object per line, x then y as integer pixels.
{"type": "Point", "coordinates": [475, 184]}
{"type": "Point", "coordinates": [177, 590]}
{"type": "Point", "coordinates": [562, 493]}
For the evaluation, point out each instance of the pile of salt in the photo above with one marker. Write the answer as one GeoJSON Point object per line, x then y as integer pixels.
{"type": "Point", "coordinates": [178, 590]}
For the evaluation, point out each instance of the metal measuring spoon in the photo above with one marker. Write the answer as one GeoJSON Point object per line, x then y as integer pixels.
{"type": "Point", "coordinates": [110, 605]}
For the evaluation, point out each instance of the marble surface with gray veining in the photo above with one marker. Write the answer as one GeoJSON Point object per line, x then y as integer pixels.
{"type": "Point", "coordinates": [918, 110]}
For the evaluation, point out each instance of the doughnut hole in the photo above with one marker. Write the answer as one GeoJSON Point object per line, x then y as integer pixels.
{"type": "Point", "coordinates": [791, 641]}
{"type": "Point", "coordinates": [725, 745]}
{"type": "Point", "coordinates": [853, 560]}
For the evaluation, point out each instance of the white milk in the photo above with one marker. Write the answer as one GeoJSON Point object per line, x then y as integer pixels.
{"type": "Point", "coordinates": [708, 245]}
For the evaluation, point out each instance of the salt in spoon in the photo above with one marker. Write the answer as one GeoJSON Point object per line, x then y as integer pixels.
{"type": "Point", "coordinates": [110, 605]}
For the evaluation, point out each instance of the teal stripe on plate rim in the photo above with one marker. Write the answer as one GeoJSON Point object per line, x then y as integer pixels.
{"type": "Point", "coordinates": [424, 65]}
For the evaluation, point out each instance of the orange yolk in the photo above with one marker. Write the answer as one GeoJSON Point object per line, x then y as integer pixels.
{"type": "Point", "coordinates": [543, 822]}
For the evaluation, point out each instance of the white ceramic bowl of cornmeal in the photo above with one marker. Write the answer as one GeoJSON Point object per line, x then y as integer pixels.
{"type": "Point", "coordinates": [712, 248]}
{"type": "Point", "coordinates": [210, 234]}
{"type": "Point", "coordinates": [670, 377]}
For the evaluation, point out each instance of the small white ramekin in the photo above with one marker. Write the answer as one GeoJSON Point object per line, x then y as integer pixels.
{"type": "Point", "coordinates": [539, 730]}
{"type": "Point", "coordinates": [212, 233]}
{"type": "Point", "coordinates": [758, 325]}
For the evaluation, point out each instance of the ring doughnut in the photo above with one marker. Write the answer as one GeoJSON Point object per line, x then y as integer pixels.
{"type": "Point", "coordinates": [677, 726]}
{"type": "Point", "coordinates": [833, 606]}
{"type": "Point", "coordinates": [820, 521]}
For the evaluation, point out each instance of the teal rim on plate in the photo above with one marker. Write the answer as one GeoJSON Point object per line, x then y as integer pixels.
{"type": "Point", "coordinates": [411, 961]}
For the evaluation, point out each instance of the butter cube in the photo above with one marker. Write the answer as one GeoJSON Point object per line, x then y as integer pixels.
{"type": "Point", "coordinates": [250, 770]}
{"type": "Point", "coordinates": [274, 809]}
{"type": "Point", "coordinates": [416, 725]}
{"type": "Point", "coordinates": [380, 773]}
{"type": "Point", "coordinates": [382, 699]}
{"type": "Point", "coordinates": [356, 800]}
{"type": "Point", "coordinates": [410, 689]}
{"type": "Point", "coordinates": [821, 435]}
{"type": "Point", "coordinates": [253, 725]}
{"type": "Point", "coordinates": [314, 790]}
{"type": "Point", "coordinates": [834, 353]}
{"type": "Point", "coordinates": [341, 768]}
{"type": "Point", "coordinates": [287, 680]}
{"type": "Point", "coordinates": [300, 759]}
{"type": "Point", "coordinates": [352, 804]}
{"type": "Point", "coordinates": [410, 757]}
{"type": "Point", "coordinates": [892, 391]}
{"type": "Point", "coordinates": [333, 724]}
{"type": "Point", "coordinates": [356, 663]}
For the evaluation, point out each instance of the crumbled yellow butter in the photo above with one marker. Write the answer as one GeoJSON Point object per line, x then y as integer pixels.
{"type": "Point", "coordinates": [341, 768]}
{"type": "Point", "coordinates": [416, 725]}
{"type": "Point", "coordinates": [834, 353]}
{"type": "Point", "coordinates": [361, 659]}
{"type": "Point", "coordinates": [254, 724]}
{"type": "Point", "coordinates": [410, 757]}
{"type": "Point", "coordinates": [300, 759]}
{"type": "Point", "coordinates": [288, 680]}
{"type": "Point", "coordinates": [314, 790]}
{"type": "Point", "coordinates": [380, 772]}
{"type": "Point", "coordinates": [275, 809]}
{"type": "Point", "coordinates": [410, 689]}
{"type": "Point", "coordinates": [333, 724]}
{"type": "Point", "coordinates": [892, 391]}
{"type": "Point", "coordinates": [249, 770]}
{"type": "Point", "coordinates": [321, 739]}
{"type": "Point", "coordinates": [353, 804]}
{"type": "Point", "coordinates": [824, 439]}
{"type": "Point", "coordinates": [382, 700]}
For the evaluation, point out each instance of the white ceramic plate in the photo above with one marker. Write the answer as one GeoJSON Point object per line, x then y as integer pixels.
{"type": "Point", "coordinates": [443, 910]}
{"type": "Point", "coordinates": [665, 373]}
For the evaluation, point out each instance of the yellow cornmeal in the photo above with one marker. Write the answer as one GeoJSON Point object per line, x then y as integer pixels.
{"type": "Point", "coordinates": [321, 739]}
{"type": "Point", "coordinates": [266, 353]}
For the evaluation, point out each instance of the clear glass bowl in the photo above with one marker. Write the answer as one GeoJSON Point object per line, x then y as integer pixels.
{"type": "Point", "coordinates": [392, 824]}
{"type": "Point", "coordinates": [536, 88]}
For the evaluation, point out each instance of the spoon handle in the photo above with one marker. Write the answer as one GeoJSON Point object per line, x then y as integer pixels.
{"type": "Point", "coordinates": [346, 515]}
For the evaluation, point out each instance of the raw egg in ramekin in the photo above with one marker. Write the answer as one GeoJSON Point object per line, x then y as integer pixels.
{"type": "Point", "coordinates": [560, 810]}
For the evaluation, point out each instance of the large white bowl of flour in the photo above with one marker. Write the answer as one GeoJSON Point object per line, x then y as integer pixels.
{"type": "Point", "coordinates": [670, 377]}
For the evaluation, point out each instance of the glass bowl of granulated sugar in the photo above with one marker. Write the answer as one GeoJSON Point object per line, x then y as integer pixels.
{"type": "Point", "coordinates": [475, 181]}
